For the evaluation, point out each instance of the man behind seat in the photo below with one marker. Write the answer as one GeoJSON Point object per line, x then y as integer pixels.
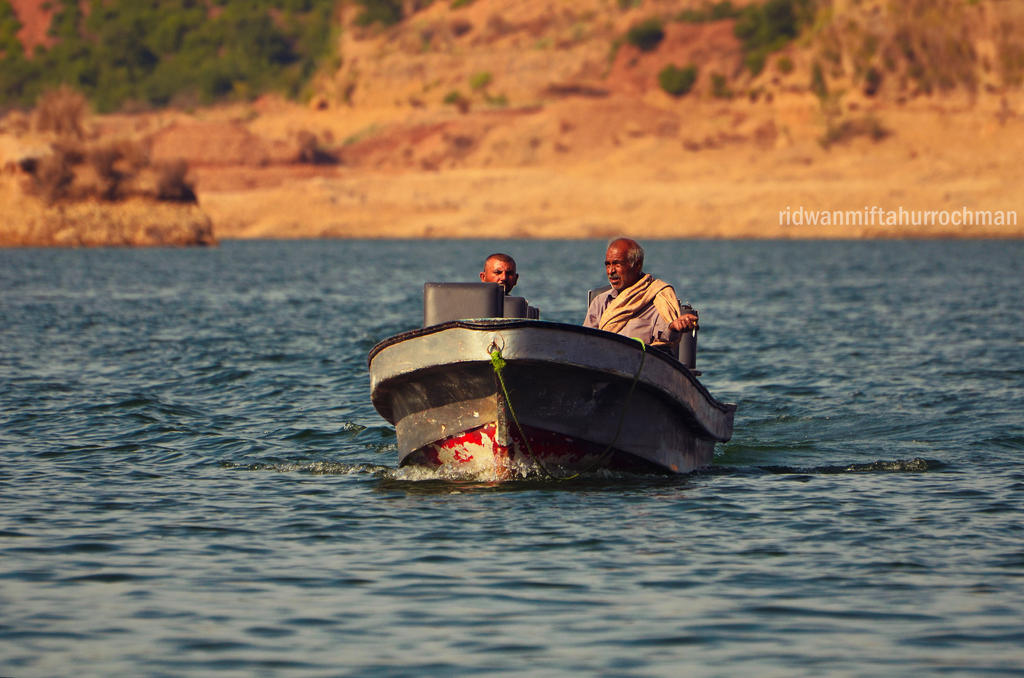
{"type": "Point", "coordinates": [500, 268]}
{"type": "Point", "coordinates": [637, 305]}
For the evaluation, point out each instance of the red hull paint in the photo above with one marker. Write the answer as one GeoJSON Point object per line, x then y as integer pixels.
{"type": "Point", "coordinates": [478, 453]}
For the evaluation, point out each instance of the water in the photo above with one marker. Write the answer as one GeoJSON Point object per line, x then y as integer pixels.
{"type": "Point", "coordinates": [193, 480]}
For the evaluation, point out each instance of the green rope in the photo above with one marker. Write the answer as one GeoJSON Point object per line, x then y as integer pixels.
{"type": "Point", "coordinates": [499, 365]}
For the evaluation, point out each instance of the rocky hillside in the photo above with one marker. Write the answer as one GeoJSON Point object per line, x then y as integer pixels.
{"type": "Point", "coordinates": [660, 118]}
{"type": "Point", "coordinates": [63, 185]}
{"type": "Point", "coordinates": [503, 60]}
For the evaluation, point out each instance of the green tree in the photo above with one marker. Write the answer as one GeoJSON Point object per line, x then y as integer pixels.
{"type": "Point", "coordinates": [646, 35]}
{"type": "Point", "coordinates": [9, 27]}
{"type": "Point", "coordinates": [768, 27]}
{"type": "Point", "coordinates": [157, 51]}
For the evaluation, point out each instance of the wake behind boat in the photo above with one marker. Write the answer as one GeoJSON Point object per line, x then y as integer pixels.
{"type": "Point", "coordinates": [514, 397]}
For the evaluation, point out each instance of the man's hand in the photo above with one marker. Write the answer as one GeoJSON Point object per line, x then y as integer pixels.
{"type": "Point", "coordinates": [684, 323]}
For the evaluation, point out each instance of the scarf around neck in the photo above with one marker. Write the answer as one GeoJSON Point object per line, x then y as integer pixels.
{"type": "Point", "coordinates": [632, 301]}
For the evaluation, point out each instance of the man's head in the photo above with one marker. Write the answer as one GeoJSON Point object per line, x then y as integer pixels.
{"type": "Point", "coordinates": [624, 263]}
{"type": "Point", "coordinates": [500, 268]}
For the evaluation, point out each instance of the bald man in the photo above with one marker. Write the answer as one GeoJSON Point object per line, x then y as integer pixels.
{"type": "Point", "coordinates": [500, 268]}
{"type": "Point", "coordinates": [637, 306]}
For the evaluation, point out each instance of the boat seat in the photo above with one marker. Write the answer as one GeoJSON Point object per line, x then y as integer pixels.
{"type": "Point", "coordinates": [443, 302]}
{"type": "Point", "coordinates": [596, 291]}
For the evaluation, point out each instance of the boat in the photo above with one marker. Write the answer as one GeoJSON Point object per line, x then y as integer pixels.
{"type": "Point", "coordinates": [489, 396]}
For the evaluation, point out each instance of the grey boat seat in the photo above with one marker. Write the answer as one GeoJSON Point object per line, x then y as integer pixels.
{"type": "Point", "coordinates": [444, 302]}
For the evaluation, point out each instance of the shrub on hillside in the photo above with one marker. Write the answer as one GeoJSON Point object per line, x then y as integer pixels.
{"type": "Point", "coordinates": [720, 87]}
{"type": "Point", "coordinates": [104, 161]}
{"type": "Point", "coordinates": [1011, 53]}
{"type": "Point", "coordinates": [818, 85]}
{"type": "Point", "coordinates": [677, 81]}
{"type": "Point", "coordinates": [842, 131]}
{"type": "Point", "coordinates": [312, 151]}
{"type": "Point", "coordinates": [115, 163]}
{"type": "Point", "coordinates": [53, 175]}
{"type": "Point", "coordinates": [456, 98]}
{"type": "Point", "coordinates": [479, 81]}
{"type": "Point", "coordinates": [646, 35]}
{"type": "Point", "coordinates": [172, 182]}
{"type": "Point", "coordinates": [872, 81]}
{"type": "Point", "coordinates": [768, 27]}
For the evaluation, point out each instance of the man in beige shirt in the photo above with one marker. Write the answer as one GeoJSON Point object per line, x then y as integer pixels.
{"type": "Point", "coordinates": [637, 306]}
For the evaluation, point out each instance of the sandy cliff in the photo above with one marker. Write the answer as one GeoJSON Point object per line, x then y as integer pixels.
{"type": "Point", "coordinates": [53, 196]}
{"type": "Point", "coordinates": [136, 222]}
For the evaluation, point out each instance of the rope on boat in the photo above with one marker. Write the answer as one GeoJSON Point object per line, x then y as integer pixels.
{"type": "Point", "coordinates": [499, 366]}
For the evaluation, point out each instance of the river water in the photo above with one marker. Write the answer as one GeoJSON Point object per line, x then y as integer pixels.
{"type": "Point", "coordinates": [193, 480]}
